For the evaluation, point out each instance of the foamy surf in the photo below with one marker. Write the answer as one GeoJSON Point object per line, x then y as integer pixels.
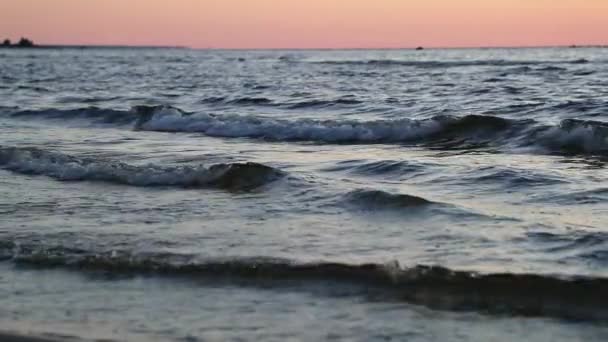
{"type": "Point", "coordinates": [571, 136]}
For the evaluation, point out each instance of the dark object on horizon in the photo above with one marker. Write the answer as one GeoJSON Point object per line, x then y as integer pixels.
{"type": "Point", "coordinates": [419, 48]}
{"type": "Point", "coordinates": [24, 42]}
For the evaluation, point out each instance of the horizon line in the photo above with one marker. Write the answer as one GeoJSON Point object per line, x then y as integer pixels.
{"type": "Point", "coordinates": [142, 46]}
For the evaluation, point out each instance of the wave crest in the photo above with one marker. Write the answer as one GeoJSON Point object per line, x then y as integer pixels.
{"type": "Point", "coordinates": [377, 199]}
{"type": "Point", "coordinates": [234, 176]}
{"type": "Point", "coordinates": [169, 119]}
{"type": "Point", "coordinates": [571, 136]}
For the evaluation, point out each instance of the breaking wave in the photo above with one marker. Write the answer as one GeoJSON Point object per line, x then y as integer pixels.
{"type": "Point", "coordinates": [572, 136]}
{"type": "Point", "coordinates": [234, 176]}
{"type": "Point", "coordinates": [432, 286]}
{"type": "Point", "coordinates": [169, 119]}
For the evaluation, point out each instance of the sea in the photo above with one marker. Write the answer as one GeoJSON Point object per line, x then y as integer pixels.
{"type": "Point", "coordinates": [300, 195]}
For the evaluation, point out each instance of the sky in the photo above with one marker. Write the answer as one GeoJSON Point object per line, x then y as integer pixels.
{"type": "Point", "coordinates": [250, 24]}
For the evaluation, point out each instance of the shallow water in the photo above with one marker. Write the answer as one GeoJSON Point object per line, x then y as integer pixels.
{"type": "Point", "coordinates": [270, 195]}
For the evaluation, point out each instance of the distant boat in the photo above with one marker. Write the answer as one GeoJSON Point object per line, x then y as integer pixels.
{"type": "Point", "coordinates": [419, 48]}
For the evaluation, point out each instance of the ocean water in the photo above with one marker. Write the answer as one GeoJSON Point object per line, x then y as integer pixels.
{"type": "Point", "coordinates": [184, 195]}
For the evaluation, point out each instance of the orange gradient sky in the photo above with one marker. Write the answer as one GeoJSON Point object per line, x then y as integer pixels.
{"type": "Point", "coordinates": [307, 23]}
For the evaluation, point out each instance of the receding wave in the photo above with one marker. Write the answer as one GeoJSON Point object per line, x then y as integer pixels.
{"type": "Point", "coordinates": [432, 286]}
{"type": "Point", "coordinates": [234, 176]}
{"type": "Point", "coordinates": [449, 64]}
{"type": "Point", "coordinates": [572, 136]}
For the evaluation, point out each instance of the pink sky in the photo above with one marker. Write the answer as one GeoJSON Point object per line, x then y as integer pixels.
{"type": "Point", "coordinates": [307, 23]}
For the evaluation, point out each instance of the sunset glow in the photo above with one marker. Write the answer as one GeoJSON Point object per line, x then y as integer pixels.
{"type": "Point", "coordinates": [307, 23]}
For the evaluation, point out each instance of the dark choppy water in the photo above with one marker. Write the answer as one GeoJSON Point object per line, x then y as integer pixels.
{"type": "Point", "coordinates": [305, 195]}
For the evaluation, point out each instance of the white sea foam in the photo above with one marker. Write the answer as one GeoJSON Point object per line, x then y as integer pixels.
{"type": "Point", "coordinates": [571, 135]}
{"type": "Point", "coordinates": [171, 120]}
